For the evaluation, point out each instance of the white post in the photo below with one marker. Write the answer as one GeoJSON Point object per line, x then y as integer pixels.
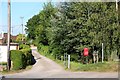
{"type": "Point", "coordinates": [68, 61]}
{"type": "Point", "coordinates": [102, 53]}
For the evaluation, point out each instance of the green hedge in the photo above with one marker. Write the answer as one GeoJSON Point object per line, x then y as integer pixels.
{"type": "Point", "coordinates": [28, 55]}
{"type": "Point", "coordinates": [24, 46]}
{"type": "Point", "coordinates": [3, 63]}
{"type": "Point", "coordinates": [19, 59]}
{"type": "Point", "coordinates": [22, 58]}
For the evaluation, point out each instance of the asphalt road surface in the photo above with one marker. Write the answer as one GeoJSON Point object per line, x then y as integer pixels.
{"type": "Point", "coordinates": [46, 68]}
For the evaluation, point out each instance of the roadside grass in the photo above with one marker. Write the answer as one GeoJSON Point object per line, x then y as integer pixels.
{"type": "Point", "coordinates": [98, 67]}
{"type": "Point", "coordinates": [111, 66]}
{"type": "Point", "coordinates": [16, 71]}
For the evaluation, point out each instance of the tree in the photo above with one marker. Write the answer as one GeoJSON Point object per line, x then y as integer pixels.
{"type": "Point", "coordinates": [19, 38]}
{"type": "Point", "coordinates": [72, 26]}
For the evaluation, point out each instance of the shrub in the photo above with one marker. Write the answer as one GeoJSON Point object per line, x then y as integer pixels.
{"type": "Point", "coordinates": [44, 50]}
{"type": "Point", "coordinates": [27, 51]}
{"type": "Point", "coordinates": [28, 55]}
{"type": "Point", "coordinates": [3, 63]}
{"type": "Point", "coordinates": [19, 59]}
{"type": "Point", "coordinates": [74, 57]}
{"type": "Point", "coordinates": [23, 46]}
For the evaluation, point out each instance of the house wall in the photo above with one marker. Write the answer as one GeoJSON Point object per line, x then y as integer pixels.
{"type": "Point", "coordinates": [1, 41]}
{"type": "Point", "coordinates": [3, 52]}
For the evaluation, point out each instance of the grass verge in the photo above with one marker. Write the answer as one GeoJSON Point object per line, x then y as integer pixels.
{"type": "Point", "coordinates": [98, 67]}
{"type": "Point", "coordinates": [111, 66]}
{"type": "Point", "coordinates": [16, 71]}
{"type": "Point", "coordinates": [77, 66]}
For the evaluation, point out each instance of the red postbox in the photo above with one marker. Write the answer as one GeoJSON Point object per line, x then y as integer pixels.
{"type": "Point", "coordinates": [85, 52]}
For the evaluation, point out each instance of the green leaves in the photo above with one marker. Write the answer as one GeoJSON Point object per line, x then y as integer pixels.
{"type": "Point", "coordinates": [75, 25]}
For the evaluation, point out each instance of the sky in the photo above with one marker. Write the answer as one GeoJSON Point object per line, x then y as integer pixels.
{"type": "Point", "coordinates": [18, 9]}
{"type": "Point", "coordinates": [21, 8]}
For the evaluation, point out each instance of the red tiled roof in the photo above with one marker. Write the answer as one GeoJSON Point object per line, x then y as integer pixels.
{"type": "Point", "coordinates": [4, 39]}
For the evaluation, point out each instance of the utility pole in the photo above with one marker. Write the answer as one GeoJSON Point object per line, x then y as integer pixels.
{"type": "Point", "coordinates": [22, 27]}
{"type": "Point", "coordinates": [8, 35]}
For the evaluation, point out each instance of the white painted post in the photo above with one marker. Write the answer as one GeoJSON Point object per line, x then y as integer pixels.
{"type": "Point", "coordinates": [102, 53]}
{"type": "Point", "coordinates": [68, 61]}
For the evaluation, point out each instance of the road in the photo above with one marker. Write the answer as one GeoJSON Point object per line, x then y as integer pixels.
{"type": "Point", "coordinates": [46, 68]}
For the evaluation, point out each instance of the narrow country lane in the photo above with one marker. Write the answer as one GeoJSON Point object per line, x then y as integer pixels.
{"type": "Point", "coordinates": [43, 67]}
{"type": "Point", "coordinates": [46, 68]}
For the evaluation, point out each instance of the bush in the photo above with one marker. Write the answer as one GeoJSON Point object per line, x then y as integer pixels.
{"type": "Point", "coordinates": [74, 57]}
{"type": "Point", "coordinates": [44, 50]}
{"type": "Point", "coordinates": [3, 63]}
{"type": "Point", "coordinates": [19, 59]}
{"type": "Point", "coordinates": [23, 46]}
{"type": "Point", "coordinates": [27, 51]}
{"type": "Point", "coordinates": [28, 55]}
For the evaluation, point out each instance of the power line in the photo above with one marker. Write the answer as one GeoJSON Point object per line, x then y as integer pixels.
{"type": "Point", "coordinates": [7, 25]}
{"type": "Point", "coordinates": [14, 28]}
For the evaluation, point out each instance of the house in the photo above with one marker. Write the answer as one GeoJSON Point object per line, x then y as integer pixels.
{"type": "Point", "coordinates": [3, 46]}
{"type": "Point", "coordinates": [3, 38]}
{"type": "Point", "coordinates": [3, 50]}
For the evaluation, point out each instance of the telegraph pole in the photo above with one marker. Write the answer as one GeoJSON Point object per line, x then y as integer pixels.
{"type": "Point", "coordinates": [8, 35]}
{"type": "Point", "coordinates": [22, 27]}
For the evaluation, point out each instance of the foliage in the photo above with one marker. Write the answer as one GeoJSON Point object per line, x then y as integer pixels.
{"type": "Point", "coordinates": [3, 63]}
{"type": "Point", "coordinates": [19, 38]}
{"type": "Point", "coordinates": [19, 59]}
{"type": "Point", "coordinates": [28, 54]}
{"type": "Point", "coordinates": [44, 50]}
{"type": "Point", "coordinates": [37, 25]}
{"type": "Point", "coordinates": [24, 46]}
{"type": "Point", "coordinates": [72, 26]}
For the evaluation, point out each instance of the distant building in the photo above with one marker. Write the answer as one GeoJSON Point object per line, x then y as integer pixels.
{"type": "Point", "coordinates": [3, 46]}
{"type": "Point", "coordinates": [3, 38]}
